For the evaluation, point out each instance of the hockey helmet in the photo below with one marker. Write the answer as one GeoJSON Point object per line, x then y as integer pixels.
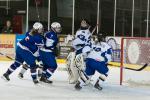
{"type": "Point", "coordinates": [38, 26]}
{"type": "Point", "coordinates": [55, 26]}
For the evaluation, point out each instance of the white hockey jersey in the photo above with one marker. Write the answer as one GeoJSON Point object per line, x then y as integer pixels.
{"type": "Point", "coordinates": [101, 52]}
{"type": "Point", "coordinates": [82, 38]}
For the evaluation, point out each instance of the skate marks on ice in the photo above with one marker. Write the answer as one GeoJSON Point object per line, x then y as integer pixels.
{"type": "Point", "coordinates": [62, 90]}
{"type": "Point", "coordinates": [17, 89]}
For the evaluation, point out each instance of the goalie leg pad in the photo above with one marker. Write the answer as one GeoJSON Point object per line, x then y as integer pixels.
{"type": "Point", "coordinates": [72, 70]}
{"type": "Point", "coordinates": [79, 62]}
{"type": "Point", "coordinates": [78, 68]}
{"type": "Point", "coordinates": [74, 75]}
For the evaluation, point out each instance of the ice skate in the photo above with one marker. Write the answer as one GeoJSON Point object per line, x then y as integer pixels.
{"type": "Point", "coordinates": [35, 81]}
{"type": "Point", "coordinates": [97, 86]}
{"type": "Point", "coordinates": [77, 86]}
{"type": "Point", "coordinates": [6, 77]}
{"type": "Point", "coordinates": [45, 80]}
{"type": "Point", "coordinates": [20, 75]}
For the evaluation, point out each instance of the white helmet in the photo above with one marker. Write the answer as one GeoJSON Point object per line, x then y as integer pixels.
{"type": "Point", "coordinates": [38, 26]}
{"type": "Point", "coordinates": [55, 26]}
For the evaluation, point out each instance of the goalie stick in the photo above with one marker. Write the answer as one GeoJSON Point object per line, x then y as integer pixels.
{"type": "Point", "coordinates": [139, 69]}
{"type": "Point", "coordinates": [94, 29]}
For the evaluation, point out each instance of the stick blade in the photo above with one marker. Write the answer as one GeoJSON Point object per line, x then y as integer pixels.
{"type": "Point", "coordinates": [141, 68]}
{"type": "Point", "coordinates": [144, 66]}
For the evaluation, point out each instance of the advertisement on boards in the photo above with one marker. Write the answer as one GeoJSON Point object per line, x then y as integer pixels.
{"type": "Point", "coordinates": [7, 46]}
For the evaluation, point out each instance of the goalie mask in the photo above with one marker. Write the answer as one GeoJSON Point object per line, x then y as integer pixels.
{"type": "Point", "coordinates": [84, 24]}
{"type": "Point", "coordinates": [56, 27]}
{"type": "Point", "coordinates": [38, 27]}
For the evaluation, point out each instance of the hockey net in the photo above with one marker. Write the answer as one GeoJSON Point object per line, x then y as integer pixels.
{"type": "Point", "coordinates": [135, 52]}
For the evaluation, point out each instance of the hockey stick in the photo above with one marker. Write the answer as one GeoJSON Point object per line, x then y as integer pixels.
{"type": "Point", "coordinates": [7, 56]}
{"type": "Point", "coordinates": [94, 29]}
{"type": "Point", "coordinates": [11, 58]}
{"type": "Point", "coordinates": [139, 69]}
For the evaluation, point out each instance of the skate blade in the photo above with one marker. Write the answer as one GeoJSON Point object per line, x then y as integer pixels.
{"type": "Point", "coordinates": [38, 85]}
{"type": "Point", "coordinates": [99, 88]}
{"type": "Point", "coordinates": [92, 86]}
{"type": "Point", "coordinates": [20, 77]}
{"type": "Point", "coordinates": [72, 82]}
{"type": "Point", "coordinates": [45, 84]}
{"type": "Point", "coordinates": [2, 77]}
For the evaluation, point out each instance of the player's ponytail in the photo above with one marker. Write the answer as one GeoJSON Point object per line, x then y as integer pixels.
{"type": "Point", "coordinates": [33, 32]}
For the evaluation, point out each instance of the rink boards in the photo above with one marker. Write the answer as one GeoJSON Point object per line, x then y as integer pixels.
{"type": "Point", "coordinates": [8, 45]}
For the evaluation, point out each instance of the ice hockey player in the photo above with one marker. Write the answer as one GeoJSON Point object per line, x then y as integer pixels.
{"type": "Point", "coordinates": [97, 60]}
{"type": "Point", "coordinates": [82, 37]}
{"type": "Point", "coordinates": [47, 52]}
{"type": "Point", "coordinates": [82, 40]}
{"type": "Point", "coordinates": [27, 51]}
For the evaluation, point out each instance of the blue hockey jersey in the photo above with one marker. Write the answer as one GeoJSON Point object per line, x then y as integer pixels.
{"type": "Point", "coordinates": [50, 41]}
{"type": "Point", "coordinates": [32, 42]}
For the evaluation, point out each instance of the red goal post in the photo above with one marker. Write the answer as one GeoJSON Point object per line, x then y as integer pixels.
{"type": "Point", "coordinates": [135, 52]}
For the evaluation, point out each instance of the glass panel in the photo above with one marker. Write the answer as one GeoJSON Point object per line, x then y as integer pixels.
{"type": "Point", "coordinates": [85, 9]}
{"type": "Point", "coordinates": [61, 11]}
{"type": "Point", "coordinates": [140, 18]}
{"type": "Point", "coordinates": [107, 16]}
{"type": "Point", "coordinates": [14, 12]}
{"type": "Point", "coordinates": [38, 11]}
{"type": "Point", "coordinates": [123, 17]}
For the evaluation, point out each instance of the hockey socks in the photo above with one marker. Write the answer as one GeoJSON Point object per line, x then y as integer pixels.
{"type": "Point", "coordinates": [23, 70]}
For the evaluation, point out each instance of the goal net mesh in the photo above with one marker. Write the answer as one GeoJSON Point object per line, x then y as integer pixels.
{"type": "Point", "coordinates": [135, 52]}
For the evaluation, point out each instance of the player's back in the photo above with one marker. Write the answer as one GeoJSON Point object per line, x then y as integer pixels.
{"type": "Point", "coordinates": [32, 41]}
{"type": "Point", "coordinates": [99, 51]}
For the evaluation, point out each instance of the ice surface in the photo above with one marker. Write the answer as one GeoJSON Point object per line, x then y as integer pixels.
{"type": "Point", "coordinates": [17, 89]}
